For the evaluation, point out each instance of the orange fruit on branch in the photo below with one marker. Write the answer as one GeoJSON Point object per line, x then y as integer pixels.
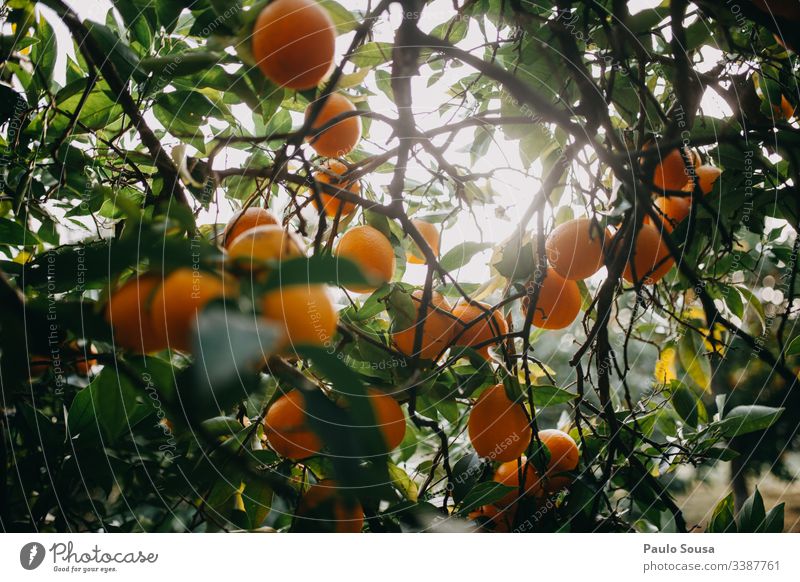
{"type": "Point", "coordinates": [707, 176]}
{"type": "Point", "coordinates": [244, 220]}
{"type": "Point", "coordinates": [324, 508]}
{"type": "Point", "coordinates": [287, 430]}
{"type": "Point", "coordinates": [340, 138]}
{"type": "Point", "coordinates": [256, 246]}
{"type": "Point", "coordinates": [431, 235]}
{"type": "Point", "coordinates": [293, 43]}
{"type": "Point", "coordinates": [178, 301]}
{"type": "Point", "coordinates": [557, 304]}
{"type": "Point", "coordinates": [498, 427]}
{"type": "Point", "coordinates": [649, 258]}
{"type": "Point", "coordinates": [509, 474]}
{"type": "Point", "coordinates": [564, 457]}
{"type": "Point", "coordinates": [575, 248]}
{"type": "Point", "coordinates": [372, 252]}
{"type": "Point", "coordinates": [672, 209]}
{"type": "Point", "coordinates": [671, 173]}
{"type": "Point", "coordinates": [389, 418]}
{"type": "Point", "coordinates": [129, 314]}
{"type": "Point", "coordinates": [304, 314]}
{"type": "Point", "coordinates": [436, 328]}
{"type": "Point", "coordinates": [331, 204]}
{"type": "Point", "coordinates": [478, 324]}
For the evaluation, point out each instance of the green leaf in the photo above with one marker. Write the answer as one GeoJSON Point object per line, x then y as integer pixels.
{"type": "Point", "coordinates": [124, 58]}
{"type": "Point", "coordinates": [403, 482]}
{"type": "Point", "coordinates": [687, 404]}
{"type": "Point", "coordinates": [773, 523]}
{"type": "Point", "coordinates": [794, 347]}
{"type": "Point", "coordinates": [484, 493]}
{"type": "Point", "coordinates": [752, 514]}
{"type": "Point", "coordinates": [13, 233]}
{"type": "Point", "coordinates": [691, 352]}
{"type": "Point", "coordinates": [344, 20]}
{"type": "Point", "coordinates": [748, 418]}
{"type": "Point", "coordinates": [722, 520]}
{"type": "Point", "coordinates": [44, 53]}
{"type": "Point", "coordinates": [372, 54]}
{"type": "Point", "coordinates": [462, 254]}
{"type": "Point", "coordinates": [544, 396]}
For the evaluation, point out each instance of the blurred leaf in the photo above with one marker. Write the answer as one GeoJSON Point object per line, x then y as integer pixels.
{"type": "Point", "coordinates": [748, 418]}
{"type": "Point", "coordinates": [722, 520]}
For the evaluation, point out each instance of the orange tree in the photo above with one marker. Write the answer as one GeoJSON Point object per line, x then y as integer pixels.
{"type": "Point", "coordinates": [163, 370]}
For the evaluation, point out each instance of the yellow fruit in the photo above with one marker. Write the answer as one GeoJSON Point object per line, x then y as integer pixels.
{"type": "Point", "coordinates": [330, 203]}
{"type": "Point", "coordinates": [558, 302]}
{"type": "Point", "coordinates": [340, 138]}
{"type": "Point", "coordinates": [498, 428]}
{"type": "Point", "coordinates": [486, 327]}
{"type": "Point", "coordinates": [305, 315]}
{"type": "Point", "coordinates": [128, 311]}
{"type": "Point", "coordinates": [372, 252]}
{"type": "Point", "coordinates": [431, 235]}
{"type": "Point", "coordinates": [244, 220]}
{"type": "Point", "coordinates": [178, 301]}
{"type": "Point", "coordinates": [575, 248]}
{"type": "Point", "coordinates": [259, 245]}
{"type": "Point", "coordinates": [437, 328]}
{"type": "Point", "coordinates": [287, 430]}
{"type": "Point", "coordinates": [293, 43]}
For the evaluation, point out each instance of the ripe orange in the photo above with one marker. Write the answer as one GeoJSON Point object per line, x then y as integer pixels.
{"type": "Point", "coordinates": [339, 139]}
{"type": "Point", "coordinates": [437, 328]}
{"type": "Point", "coordinates": [389, 418]}
{"type": "Point", "coordinates": [509, 474]}
{"type": "Point", "coordinates": [671, 173]}
{"type": "Point", "coordinates": [785, 109]}
{"type": "Point", "coordinates": [177, 302]}
{"type": "Point", "coordinates": [498, 520]}
{"type": "Point", "coordinates": [558, 302]}
{"type": "Point", "coordinates": [330, 203]}
{"type": "Point", "coordinates": [128, 312]}
{"type": "Point", "coordinates": [372, 252]}
{"type": "Point", "coordinates": [485, 328]}
{"type": "Point", "coordinates": [564, 457]}
{"type": "Point", "coordinates": [293, 43]}
{"type": "Point", "coordinates": [575, 248]}
{"type": "Point", "coordinates": [323, 508]}
{"type": "Point", "coordinates": [287, 430]}
{"type": "Point", "coordinates": [245, 220]}
{"type": "Point", "coordinates": [431, 235]}
{"type": "Point", "coordinates": [649, 258]}
{"type": "Point", "coordinates": [256, 246]}
{"type": "Point", "coordinates": [672, 209]}
{"type": "Point", "coordinates": [707, 177]}
{"type": "Point", "coordinates": [498, 428]}
{"type": "Point", "coordinates": [304, 313]}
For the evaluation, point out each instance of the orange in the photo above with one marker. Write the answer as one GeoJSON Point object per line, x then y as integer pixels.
{"type": "Point", "coordinates": [293, 43]}
{"type": "Point", "coordinates": [672, 209]}
{"type": "Point", "coordinates": [287, 430]}
{"type": "Point", "coordinates": [38, 365]}
{"type": "Point", "coordinates": [575, 248]}
{"type": "Point", "coordinates": [339, 139]}
{"type": "Point", "coordinates": [128, 312]}
{"type": "Point", "coordinates": [707, 177]}
{"type": "Point", "coordinates": [431, 235]}
{"type": "Point", "coordinates": [509, 474]}
{"type": "Point", "coordinates": [649, 258]}
{"type": "Point", "coordinates": [177, 302]}
{"type": "Point", "coordinates": [558, 302]}
{"type": "Point", "coordinates": [324, 508]}
{"type": "Point", "coordinates": [437, 328]}
{"type": "Point", "coordinates": [498, 428]}
{"type": "Point", "coordinates": [564, 457]}
{"type": "Point", "coordinates": [305, 315]}
{"type": "Point", "coordinates": [262, 244]}
{"type": "Point", "coordinates": [372, 252]}
{"type": "Point", "coordinates": [245, 220]}
{"type": "Point", "coordinates": [389, 418]}
{"type": "Point", "coordinates": [484, 329]}
{"type": "Point", "coordinates": [671, 173]}
{"type": "Point", "coordinates": [785, 109]}
{"type": "Point", "coordinates": [498, 520]}
{"type": "Point", "coordinates": [330, 203]}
